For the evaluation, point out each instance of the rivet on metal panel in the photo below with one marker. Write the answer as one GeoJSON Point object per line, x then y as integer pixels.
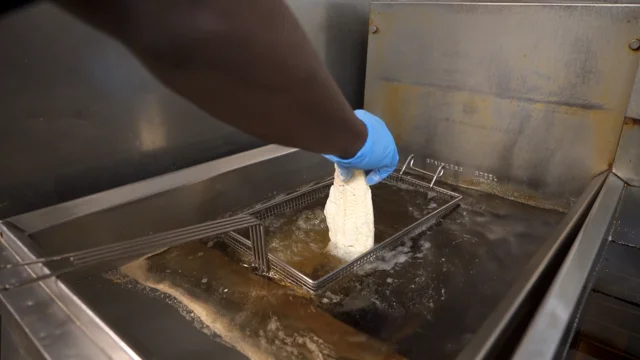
{"type": "Point", "coordinates": [373, 29]}
{"type": "Point", "coordinates": [634, 44]}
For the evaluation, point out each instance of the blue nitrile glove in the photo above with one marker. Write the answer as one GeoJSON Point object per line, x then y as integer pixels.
{"type": "Point", "coordinates": [378, 156]}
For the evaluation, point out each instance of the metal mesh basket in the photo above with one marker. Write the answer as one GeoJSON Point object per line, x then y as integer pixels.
{"type": "Point", "coordinates": [280, 269]}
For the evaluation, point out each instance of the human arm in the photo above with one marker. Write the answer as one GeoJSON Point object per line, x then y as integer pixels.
{"type": "Point", "coordinates": [249, 64]}
{"type": "Point", "coordinates": [246, 62]}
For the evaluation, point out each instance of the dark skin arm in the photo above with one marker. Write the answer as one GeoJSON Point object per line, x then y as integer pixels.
{"type": "Point", "coordinates": [245, 62]}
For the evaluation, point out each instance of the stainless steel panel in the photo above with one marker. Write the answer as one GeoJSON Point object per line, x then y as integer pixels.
{"type": "Point", "coordinates": [566, 294]}
{"type": "Point", "coordinates": [633, 111]}
{"type": "Point", "coordinates": [627, 164]}
{"type": "Point", "coordinates": [15, 343]}
{"type": "Point", "coordinates": [506, 324]}
{"type": "Point", "coordinates": [51, 322]}
{"type": "Point", "coordinates": [619, 272]}
{"type": "Point", "coordinates": [526, 100]}
{"type": "Point", "coordinates": [627, 227]}
{"type": "Point", "coordinates": [80, 115]}
{"type": "Point", "coordinates": [609, 329]}
{"type": "Point", "coordinates": [54, 215]}
{"type": "Point", "coordinates": [339, 29]}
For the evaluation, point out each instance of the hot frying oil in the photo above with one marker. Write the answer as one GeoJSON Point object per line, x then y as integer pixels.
{"type": "Point", "coordinates": [300, 237]}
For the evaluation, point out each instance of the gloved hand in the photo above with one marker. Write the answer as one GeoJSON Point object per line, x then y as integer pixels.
{"type": "Point", "coordinates": [378, 156]}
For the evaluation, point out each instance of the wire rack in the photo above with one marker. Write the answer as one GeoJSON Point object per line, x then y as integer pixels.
{"type": "Point", "coordinates": [273, 266]}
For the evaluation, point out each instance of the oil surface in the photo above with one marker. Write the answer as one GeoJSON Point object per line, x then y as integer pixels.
{"type": "Point", "coordinates": [299, 237]}
{"type": "Point", "coordinates": [424, 299]}
{"type": "Point", "coordinates": [431, 294]}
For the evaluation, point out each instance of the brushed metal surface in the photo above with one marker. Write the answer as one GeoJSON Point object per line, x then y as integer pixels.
{"type": "Point", "coordinates": [339, 30]}
{"type": "Point", "coordinates": [626, 227]}
{"type": "Point", "coordinates": [619, 273]}
{"type": "Point", "coordinates": [47, 320]}
{"type": "Point", "coordinates": [14, 342]}
{"type": "Point", "coordinates": [43, 218]}
{"type": "Point", "coordinates": [526, 100]}
{"type": "Point", "coordinates": [609, 329]}
{"type": "Point", "coordinates": [633, 111]}
{"type": "Point", "coordinates": [545, 335]}
{"type": "Point", "coordinates": [627, 164]}
{"type": "Point", "coordinates": [80, 115]}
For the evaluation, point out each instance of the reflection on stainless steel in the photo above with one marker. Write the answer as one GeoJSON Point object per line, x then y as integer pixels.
{"type": "Point", "coordinates": [145, 246]}
{"type": "Point", "coordinates": [338, 31]}
{"type": "Point", "coordinates": [532, 94]}
{"type": "Point", "coordinates": [507, 322]}
{"type": "Point", "coordinates": [152, 131]}
{"type": "Point", "coordinates": [608, 329]}
{"type": "Point", "coordinates": [543, 338]}
{"type": "Point", "coordinates": [45, 317]}
{"type": "Point", "coordinates": [92, 116]}
{"type": "Point", "coordinates": [627, 164]}
{"type": "Point", "coordinates": [54, 215]}
{"type": "Point", "coordinates": [626, 224]}
{"type": "Point", "coordinates": [80, 115]}
{"type": "Point", "coordinates": [633, 111]}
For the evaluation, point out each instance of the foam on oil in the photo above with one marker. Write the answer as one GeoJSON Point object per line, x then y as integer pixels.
{"type": "Point", "coordinates": [300, 237]}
